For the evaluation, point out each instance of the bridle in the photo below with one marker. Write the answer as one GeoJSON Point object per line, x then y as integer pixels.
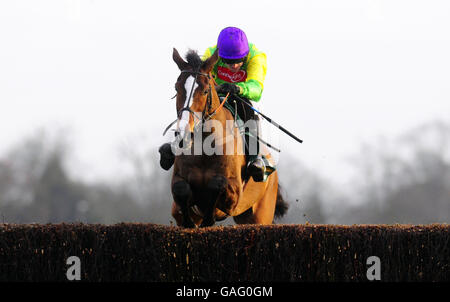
{"type": "Point", "coordinates": [205, 114]}
{"type": "Point", "coordinates": [208, 99]}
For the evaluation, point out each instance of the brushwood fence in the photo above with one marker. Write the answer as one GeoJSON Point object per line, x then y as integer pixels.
{"type": "Point", "coordinates": [148, 252]}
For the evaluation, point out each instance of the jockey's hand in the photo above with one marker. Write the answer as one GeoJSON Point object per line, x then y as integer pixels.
{"type": "Point", "coordinates": [228, 87]}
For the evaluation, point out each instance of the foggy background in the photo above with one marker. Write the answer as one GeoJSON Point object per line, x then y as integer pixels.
{"type": "Point", "coordinates": [85, 90]}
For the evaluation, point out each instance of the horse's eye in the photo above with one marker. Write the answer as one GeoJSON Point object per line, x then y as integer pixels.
{"type": "Point", "coordinates": [205, 92]}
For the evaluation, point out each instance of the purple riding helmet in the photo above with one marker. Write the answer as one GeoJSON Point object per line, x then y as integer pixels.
{"type": "Point", "coordinates": [232, 43]}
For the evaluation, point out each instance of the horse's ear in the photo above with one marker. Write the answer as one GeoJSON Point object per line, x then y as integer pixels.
{"type": "Point", "coordinates": [179, 60]}
{"type": "Point", "coordinates": [208, 65]}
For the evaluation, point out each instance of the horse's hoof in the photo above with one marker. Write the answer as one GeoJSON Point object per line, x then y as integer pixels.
{"type": "Point", "coordinates": [189, 224]}
{"type": "Point", "coordinates": [207, 223]}
{"type": "Point", "coordinates": [167, 157]}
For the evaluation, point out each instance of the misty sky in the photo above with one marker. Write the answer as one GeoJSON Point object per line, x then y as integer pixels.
{"type": "Point", "coordinates": [339, 72]}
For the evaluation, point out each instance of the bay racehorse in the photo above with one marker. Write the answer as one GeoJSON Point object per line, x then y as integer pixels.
{"type": "Point", "coordinates": [210, 187]}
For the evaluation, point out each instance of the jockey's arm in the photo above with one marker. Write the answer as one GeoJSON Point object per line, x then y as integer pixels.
{"type": "Point", "coordinates": [253, 87]}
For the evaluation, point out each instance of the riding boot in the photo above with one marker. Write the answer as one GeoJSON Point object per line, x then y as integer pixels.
{"type": "Point", "coordinates": [167, 156]}
{"type": "Point", "coordinates": [256, 166]}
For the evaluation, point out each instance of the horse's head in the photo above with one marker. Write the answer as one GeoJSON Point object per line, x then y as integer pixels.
{"type": "Point", "coordinates": [195, 90]}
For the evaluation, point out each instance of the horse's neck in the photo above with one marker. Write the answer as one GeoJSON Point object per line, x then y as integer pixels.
{"type": "Point", "coordinates": [215, 100]}
{"type": "Point", "coordinates": [225, 132]}
{"type": "Point", "coordinates": [219, 112]}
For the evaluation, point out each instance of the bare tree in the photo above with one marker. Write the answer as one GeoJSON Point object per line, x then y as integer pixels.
{"type": "Point", "coordinates": [406, 180]}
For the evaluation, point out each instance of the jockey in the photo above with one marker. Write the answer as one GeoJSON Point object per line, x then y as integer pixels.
{"type": "Point", "coordinates": [240, 70]}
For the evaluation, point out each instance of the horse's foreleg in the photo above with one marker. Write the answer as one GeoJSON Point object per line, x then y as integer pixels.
{"type": "Point", "coordinates": [176, 213]}
{"type": "Point", "coordinates": [216, 186]}
{"type": "Point", "coordinates": [182, 193]}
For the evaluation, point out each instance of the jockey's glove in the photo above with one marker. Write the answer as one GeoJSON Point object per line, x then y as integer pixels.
{"type": "Point", "coordinates": [228, 87]}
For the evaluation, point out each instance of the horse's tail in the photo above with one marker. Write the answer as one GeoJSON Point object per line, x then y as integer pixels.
{"type": "Point", "coordinates": [281, 206]}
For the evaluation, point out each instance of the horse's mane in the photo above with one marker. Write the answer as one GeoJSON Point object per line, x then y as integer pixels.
{"type": "Point", "coordinates": [193, 59]}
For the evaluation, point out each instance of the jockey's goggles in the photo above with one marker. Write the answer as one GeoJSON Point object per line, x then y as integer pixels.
{"type": "Point", "coordinates": [234, 61]}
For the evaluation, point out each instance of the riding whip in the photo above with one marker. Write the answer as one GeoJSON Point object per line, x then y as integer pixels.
{"type": "Point", "coordinates": [270, 120]}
